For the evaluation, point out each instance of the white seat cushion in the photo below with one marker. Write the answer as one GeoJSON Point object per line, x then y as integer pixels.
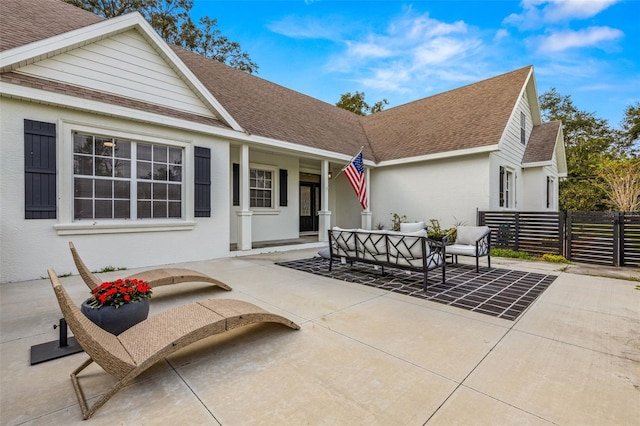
{"type": "Point", "coordinates": [469, 234]}
{"type": "Point", "coordinates": [325, 253]}
{"type": "Point", "coordinates": [412, 226]}
{"type": "Point", "coordinates": [461, 249]}
{"type": "Point", "coordinates": [407, 245]}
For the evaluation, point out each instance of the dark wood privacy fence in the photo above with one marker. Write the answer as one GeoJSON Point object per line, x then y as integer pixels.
{"type": "Point", "coordinates": [604, 238]}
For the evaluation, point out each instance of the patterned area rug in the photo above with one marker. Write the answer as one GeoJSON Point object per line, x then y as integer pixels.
{"type": "Point", "coordinates": [497, 292]}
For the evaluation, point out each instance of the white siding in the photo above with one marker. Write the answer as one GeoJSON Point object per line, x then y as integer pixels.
{"type": "Point", "coordinates": [448, 190]}
{"type": "Point", "coordinates": [510, 155]}
{"type": "Point", "coordinates": [29, 247]}
{"type": "Point", "coordinates": [125, 65]}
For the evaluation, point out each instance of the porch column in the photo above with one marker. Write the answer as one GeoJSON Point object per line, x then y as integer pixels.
{"type": "Point", "coordinates": [244, 214]}
{"type": "Point", "coordinates": [365, 216]}
{"type": "Point", "coordinates": [324, 215]}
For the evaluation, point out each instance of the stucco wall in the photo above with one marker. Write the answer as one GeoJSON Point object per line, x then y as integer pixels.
{"type": "Point", "coordinates": [535, 186]}
{"type": "Point", "coordinates": [29, 247]}
{"type": "Point", "coordinates": [281, 222]}
{"type": "Point", "coordinates": [448, 190]}
{"type": "Point", "coordinates": [346, 211]}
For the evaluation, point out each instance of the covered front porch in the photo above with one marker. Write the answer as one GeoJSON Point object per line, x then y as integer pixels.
{"type": "Point", "coordinates": [282, 197]}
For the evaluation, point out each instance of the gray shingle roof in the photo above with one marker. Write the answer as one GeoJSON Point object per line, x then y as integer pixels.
{"type": "Point", "coordinates": [267, 109]}
{"type": "Point", "coordinates": [542, 142]}
{"type": "Point", "coordinates": [469, 117]}
{"type": "Point", "coordinates": [26, 21]}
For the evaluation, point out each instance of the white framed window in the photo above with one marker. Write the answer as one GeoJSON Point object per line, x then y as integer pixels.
{"type": "Point", "coordinates": [523, 128]}
{"type": "Point", "coordinates": [262, 185]}
{"type": "Point", "coordinates": [507, 188]}
{"type": "Point", "coordinates": [115, 178]}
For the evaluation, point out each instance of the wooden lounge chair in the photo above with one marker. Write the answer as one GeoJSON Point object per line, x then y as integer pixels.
{"type": "Point", "coordinates": [154, 277]}
{"type": "Point", "coordinates": [127, 355]}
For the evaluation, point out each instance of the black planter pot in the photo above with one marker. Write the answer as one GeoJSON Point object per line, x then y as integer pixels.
{"type": "Point", "coordinates": [116, 320]}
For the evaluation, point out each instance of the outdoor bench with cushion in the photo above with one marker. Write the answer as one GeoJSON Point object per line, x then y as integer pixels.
{"type": "Point", "coordinates": [409, 250]}
{"type": "Point", "coordinates": [474, 241]}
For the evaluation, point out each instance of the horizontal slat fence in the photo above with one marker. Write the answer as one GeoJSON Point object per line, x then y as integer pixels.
{"type": "Point", "coordinates": [631, 239]}
{"type": "Point", "coordinates": [603, 238]}
{"type": "Point", "coordinates": [534, 232]}
{"type": "Point", "coordinates": [592, 237]}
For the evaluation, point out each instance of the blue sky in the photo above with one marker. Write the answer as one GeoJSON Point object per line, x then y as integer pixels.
{"type": "Point", "coordinates": [407, 50]}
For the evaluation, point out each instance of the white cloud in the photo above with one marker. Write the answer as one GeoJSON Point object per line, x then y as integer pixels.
{"type": "Point", "coordinates": [588, 37]}
{"type": "Point", "coordinates": [411, 49]}
{"type": "Point", "coordinates": [537, 13]}
{"type": "Point", "coordinates": [368, 49]}
{"type": "Point", "coordinates": [297, 27]}
{"type": "Point", "coordinates": [391, 79]}
{"type": "Point", "coordinates": [420, 27]}
{"type": "Point", "coordinates": [563, 10]}
{"type": "Point", "coordinates": [441, 51]}
{"type": "Point", "coordinates": [501, 34]}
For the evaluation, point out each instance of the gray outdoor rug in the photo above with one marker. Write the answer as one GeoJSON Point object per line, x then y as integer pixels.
{"type": "Point", "coordinates": [501, 293]}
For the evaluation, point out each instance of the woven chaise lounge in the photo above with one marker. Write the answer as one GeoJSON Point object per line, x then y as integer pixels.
{"type": "Point", "coordinates": [129, 354]}
{"type": "Point", "coordinates": [154, 277]}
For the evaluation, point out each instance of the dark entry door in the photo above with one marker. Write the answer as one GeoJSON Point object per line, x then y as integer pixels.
{"type": "Point", "coordinates": [309, 206]}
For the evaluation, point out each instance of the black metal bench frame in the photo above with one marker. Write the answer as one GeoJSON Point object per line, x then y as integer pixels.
{"type": "Point", "coordinates": [374, 248]}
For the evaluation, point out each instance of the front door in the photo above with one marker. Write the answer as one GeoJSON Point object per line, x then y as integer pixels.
{"type": "Point", "coordinates": [309, 206]}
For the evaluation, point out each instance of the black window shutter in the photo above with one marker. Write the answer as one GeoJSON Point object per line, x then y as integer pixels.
{"type": "Point", "coordinates": [202, 182]}
{"type": "Point", "coordinates": [236, 184]}
{"type": "Point", "coordinates": [39, 170]}
{"type": "Point", "coordinates": [548, 191]}
{"type": "Point", "coordinates": [501, 186]}
{"type": "Point", "coordinates": [283, 187]}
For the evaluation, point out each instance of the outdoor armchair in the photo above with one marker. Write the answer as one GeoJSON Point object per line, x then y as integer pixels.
{"type": "Point", "coordinates": [130, 353]}
{"type": "Point", "coordinates": [154, 277]}
{"type": "Point", "coordinates": [473, 241]}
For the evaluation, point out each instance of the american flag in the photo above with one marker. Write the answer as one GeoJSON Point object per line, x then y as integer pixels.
{"type": "Point", "coordinates": [355, 173]}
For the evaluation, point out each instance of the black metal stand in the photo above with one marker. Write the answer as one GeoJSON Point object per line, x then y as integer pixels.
{"type": "Point", "coordinates": [55, 349]}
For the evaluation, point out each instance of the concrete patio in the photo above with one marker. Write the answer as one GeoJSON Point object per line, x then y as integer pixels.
{"type": "Point", "coordinates": [363, 356]}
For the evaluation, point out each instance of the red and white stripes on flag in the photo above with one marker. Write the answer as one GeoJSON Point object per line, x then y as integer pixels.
{"type": "Point", "coordinates": [355, 173]}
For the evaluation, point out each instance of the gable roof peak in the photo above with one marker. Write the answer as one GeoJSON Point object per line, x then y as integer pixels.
{"type": "Point", "coordinates": [467, 118]}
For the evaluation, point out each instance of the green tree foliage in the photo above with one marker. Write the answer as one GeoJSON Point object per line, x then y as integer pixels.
{"type": "Point", "coordinates": [592, 147]}
{"type": "Point", "coordinates": [631, 127]}
{"type": "Point", "coordinates": [356, 103]}
{"type": "Point", "coordinates": [171, 20]}
{"type": "Point", "coordinates": [587, 141]}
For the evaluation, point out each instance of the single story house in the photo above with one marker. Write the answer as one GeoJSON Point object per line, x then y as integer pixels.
{"type": "Point", "coordinates": [144, 153]}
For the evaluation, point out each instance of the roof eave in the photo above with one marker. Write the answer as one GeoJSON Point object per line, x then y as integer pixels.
{"type": "Point", "coordinates": [536, 164]}
{"type": "Point", "coordinates": [23, 55]}
{"type": "Point", "coordinates": [307, 151]}
{"type": "Point", "coordinates": [440, 155]}
{"type": "Point", "coordinates": [16, 91]}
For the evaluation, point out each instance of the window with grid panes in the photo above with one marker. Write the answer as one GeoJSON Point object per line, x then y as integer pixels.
{"type": "Point", "coordinates": [260, 188]}
{"type": "Point", "coordinates": [122, 179]}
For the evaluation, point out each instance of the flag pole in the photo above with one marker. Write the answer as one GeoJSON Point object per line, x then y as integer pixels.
{"type": "Point", "coordinates": [342, 170]}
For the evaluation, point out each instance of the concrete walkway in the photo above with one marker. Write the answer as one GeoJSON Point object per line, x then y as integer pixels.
{"type": "Point", "coordinates": [363, 356]}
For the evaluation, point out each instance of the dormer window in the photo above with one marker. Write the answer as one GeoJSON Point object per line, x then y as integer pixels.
{"type": "Point", "coordinates": [523, 122]}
